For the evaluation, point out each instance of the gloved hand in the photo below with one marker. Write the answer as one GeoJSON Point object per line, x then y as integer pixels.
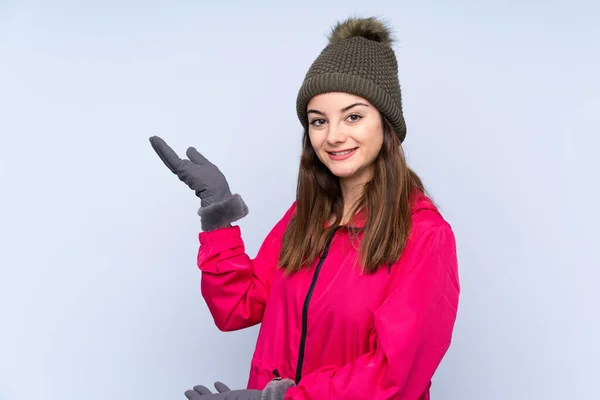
{"type": "Point", "coordinates": [224, 393]}
{"type": "Point", "coordinates": [218, 207]}
{"type": "Point", "coordinates": [275, 390]}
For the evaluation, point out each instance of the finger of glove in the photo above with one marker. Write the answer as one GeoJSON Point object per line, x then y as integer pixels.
{"type": "Point", "coordinates": [196, 157]}
{"type": "Point", "coordinates": [166, 153]}
{"type": "Point", "coordinates": [193, 395]}
{"type": "Point", "coordinates": [202, 389]}
{"type": "Point", "coordinates": [221, 387]}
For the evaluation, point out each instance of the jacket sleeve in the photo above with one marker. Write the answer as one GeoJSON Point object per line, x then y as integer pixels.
{"type": "Point", "coordinates": [235, 286]}
{"type": "Point", "coordinates": [413, 329]}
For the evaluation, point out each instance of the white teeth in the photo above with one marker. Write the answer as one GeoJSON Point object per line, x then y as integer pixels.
{"type": "Point", "coordinates": [341, 153]}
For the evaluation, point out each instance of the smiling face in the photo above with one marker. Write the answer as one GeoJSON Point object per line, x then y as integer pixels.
{"type": "Point", "coordinates": [346, 133]}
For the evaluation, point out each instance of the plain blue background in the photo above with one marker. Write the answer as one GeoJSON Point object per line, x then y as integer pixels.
{"type": "Point", "coordinates": [99, 290]}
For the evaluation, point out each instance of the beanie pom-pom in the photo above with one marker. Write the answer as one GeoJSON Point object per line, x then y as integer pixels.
{"type": "Point", "coordinates": [369, 28]}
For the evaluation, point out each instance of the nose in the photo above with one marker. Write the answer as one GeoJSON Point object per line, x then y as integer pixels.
{"type": "Point", "coordinates": [335, 135]}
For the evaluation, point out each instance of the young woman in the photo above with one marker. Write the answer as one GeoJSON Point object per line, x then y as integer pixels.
{"type": "Point", "coordinates": [356, 287]}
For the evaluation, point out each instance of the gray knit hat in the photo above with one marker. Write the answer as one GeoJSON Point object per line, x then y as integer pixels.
{"type": "Point", "coordinates": [358, 59]}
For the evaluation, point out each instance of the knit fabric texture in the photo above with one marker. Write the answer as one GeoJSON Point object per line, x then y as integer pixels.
{"type": "Point", "coordinates": [359, 66]}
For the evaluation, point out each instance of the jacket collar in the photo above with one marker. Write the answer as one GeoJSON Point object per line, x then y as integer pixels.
{"type": "Point", "coordinates": [419, 200]}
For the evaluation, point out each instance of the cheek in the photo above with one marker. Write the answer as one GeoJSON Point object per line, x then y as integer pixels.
{"type": "Point", "coordinates": [316, 141]}
{"type": "Point", "coordinates": [373, 142]}
{"type": "Point", "coordinates": [378, 145]}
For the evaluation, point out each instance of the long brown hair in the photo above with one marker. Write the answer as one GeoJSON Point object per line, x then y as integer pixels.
{"type": "Point", "coordinates": [385, 198]}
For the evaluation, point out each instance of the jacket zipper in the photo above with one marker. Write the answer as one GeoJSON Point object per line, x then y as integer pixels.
{"type": "Point", "coordinates": [307, 302]}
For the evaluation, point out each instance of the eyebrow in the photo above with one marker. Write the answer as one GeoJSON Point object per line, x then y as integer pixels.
{"type": "Point", "coordinates": [343, 109]}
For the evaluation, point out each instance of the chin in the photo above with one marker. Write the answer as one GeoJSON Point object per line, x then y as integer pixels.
{"type": "Point", "coordinates": [342, 172]}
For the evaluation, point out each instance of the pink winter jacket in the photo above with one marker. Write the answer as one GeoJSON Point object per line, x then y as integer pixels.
{"type": "Point", "coordinates": [338, 333]}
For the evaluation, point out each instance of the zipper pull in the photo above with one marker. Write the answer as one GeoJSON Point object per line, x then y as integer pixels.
{"type": "Point", "coordinates": [277, 376]}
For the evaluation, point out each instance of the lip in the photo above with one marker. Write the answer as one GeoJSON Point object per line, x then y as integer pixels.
{"type": "Point", "coordinates": [343, 156]}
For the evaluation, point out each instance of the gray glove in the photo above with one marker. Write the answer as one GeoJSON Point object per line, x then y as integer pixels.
{"type": "Point", "coordinates": [224, 393]}
{"type": "Point", "coordinates": [218, 207]}
{"type": "Point", "coordinates": [275, 390]}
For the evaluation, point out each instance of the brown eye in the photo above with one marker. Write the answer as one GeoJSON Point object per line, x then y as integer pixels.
{"type": "Point", "coordinates": [354, 117]}
{"type": "Point", "coordinates": [317, 122]}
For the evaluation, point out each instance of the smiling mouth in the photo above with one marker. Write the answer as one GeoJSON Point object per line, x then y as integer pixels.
{"type": "Point", "coordinates": [343, 152]}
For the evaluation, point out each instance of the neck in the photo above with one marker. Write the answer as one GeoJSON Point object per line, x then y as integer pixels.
{"type": "Point", "coordinates": [351, 194]}
{"type": "Point", "coordinates": [352, 189]}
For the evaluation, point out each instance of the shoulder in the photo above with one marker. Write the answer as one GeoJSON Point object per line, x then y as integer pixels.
{"type": "Point", "coordinates": [285, 219]}
{"type": "Point", "coordinates": [430, 251]}
{"type": "Point", "coordinates": [290, 212]}
{"type": "Point", "coordinates": [430, 238]}
{"type": "Point", "coordinates": [426, 217]}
